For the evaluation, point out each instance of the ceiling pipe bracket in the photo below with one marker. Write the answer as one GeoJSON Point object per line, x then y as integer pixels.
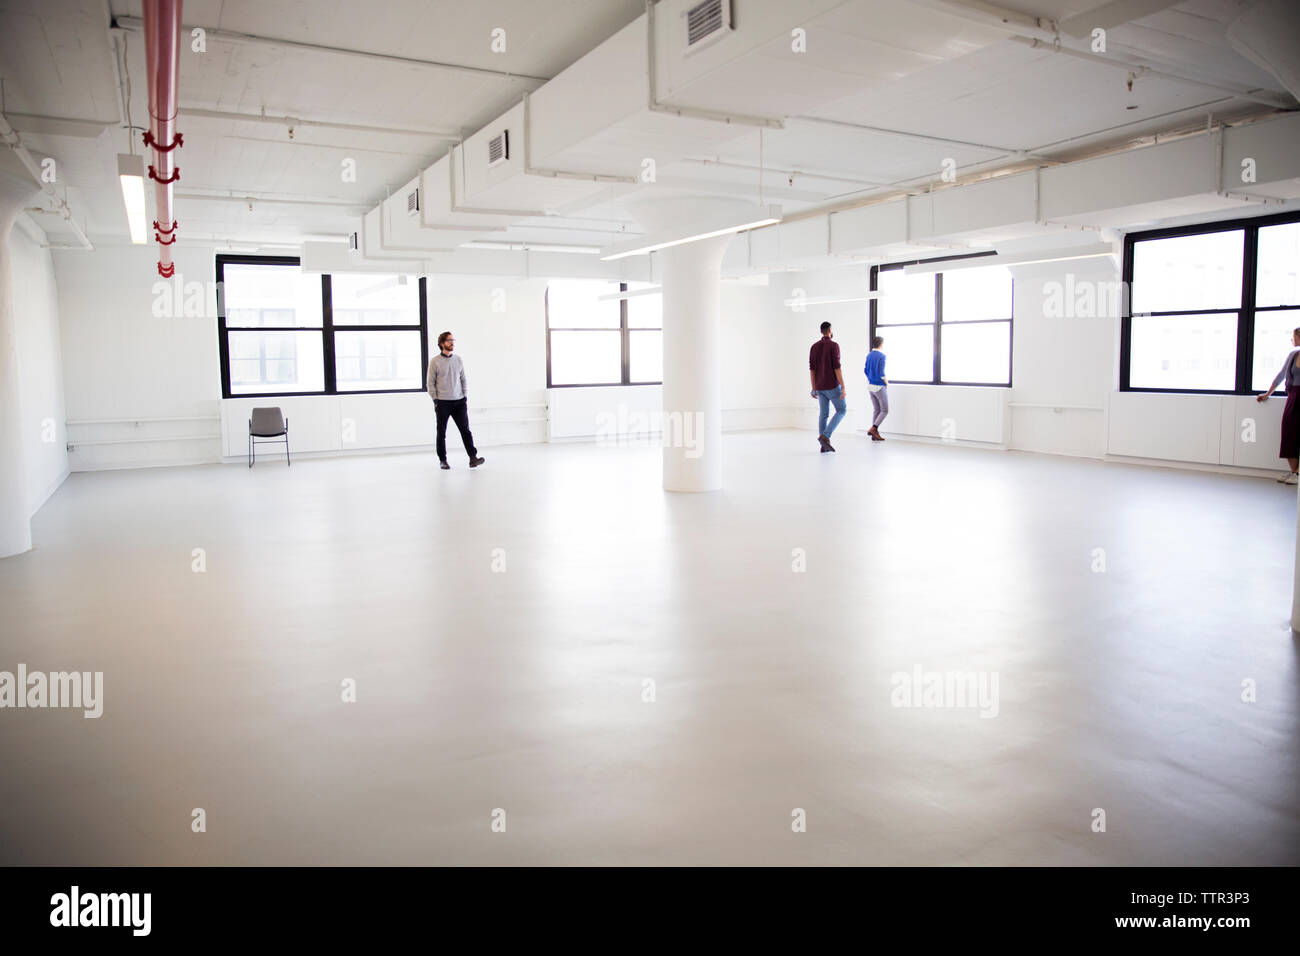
{"type": "Point", "coordinates": [179, 140]}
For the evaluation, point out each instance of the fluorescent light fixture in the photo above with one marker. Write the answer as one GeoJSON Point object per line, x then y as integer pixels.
{"type": "Point", "coordinates": [829, 299]}
{"type": "Point", "coordinates": [1094, 250]}
{"type": "Point", "coordinates": [529, 246]}
{"type": "Point", "coordinates": [694, 232]}
{"type": "Point", "coordinates": [130, 173]}
{"type": "Point", "coordinates": [630, 293]}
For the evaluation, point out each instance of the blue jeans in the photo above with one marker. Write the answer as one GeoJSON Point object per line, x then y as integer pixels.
{"type": "Point", "coordinates": [825, 396]}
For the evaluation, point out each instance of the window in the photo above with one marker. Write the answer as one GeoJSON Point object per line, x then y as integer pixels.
{"type": "Point", "coordinates": [379, 340]}
{"type": "Point", "coordinates": [945, 328]}
{"type": "Point", "coordinates": [1212, 306]}
{"type": "Point", "coordinates": [1277, 300]}
{"type": "Point", "coordinates": [591, 340]}
{"type": "Point", "coordinates": [284, 332]}
{"type": "Point", "coordinates": [264, 363]}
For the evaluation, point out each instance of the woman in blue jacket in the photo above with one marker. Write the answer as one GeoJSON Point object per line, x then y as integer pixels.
{"type": "Point", "coordinates": [878, 385]}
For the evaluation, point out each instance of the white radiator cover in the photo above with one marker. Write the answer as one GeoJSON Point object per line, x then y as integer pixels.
{"type": "Point", "coordinates": [958, 413]}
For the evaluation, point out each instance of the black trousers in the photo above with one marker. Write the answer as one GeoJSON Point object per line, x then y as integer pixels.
{"type": "Point", "coordinates": [458, 409]}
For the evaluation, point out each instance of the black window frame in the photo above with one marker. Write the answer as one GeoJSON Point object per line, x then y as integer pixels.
{"type": "Point", "coordinates": [1245, 357]}
{"type": "Point", "coordinates": [937, 375]}
{"type": "Point", "coordinates": [327, 329]}
{"type": "Point", "coordinates": [625, 344]}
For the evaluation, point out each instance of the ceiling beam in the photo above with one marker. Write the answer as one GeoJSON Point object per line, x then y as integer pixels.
{"type": "Point", "coordinates": [903, 134]}
{"type": "Point", "coordinates": [58, 125]}
{"type": "Point", "coordinates": [1112, 14]}
{"type": "Point", "coordinates": [292, 122]}
{"type": "Point", "coordinates": [784, 173]}
{"type": "Point", "coordinates": [1140, 69]}
{"type": "Point", "coordinates": [1045, 34]}
{"type": "Point", "coordinates": [135, 24]}
{"type": "Point", "coordinates": [271, 200]}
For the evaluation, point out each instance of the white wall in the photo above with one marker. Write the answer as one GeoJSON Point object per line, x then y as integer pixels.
{"type": "Point", "coordinates": [1066, 375]}
{"type": "Point", "coordinates": [850, 324]}
{"type": "Point", "coordinates": [125, 367]}
{"type": "Point", "coordinates": [1064, 397]}
{"type": "Point", "coordinates": [500, 330]}
{"type": "Point", "coordinates": [757, 374]}
{"type": "Point", "coordinates": [1065, 356]}
{"type": "Point", "coordinates": [40, 368]}
{"type": "Point", "coordinates": [922, 411]}
{"type": "Point", "coordinates": [504, 354]}
{"type": "Point", "coordinates": [144, 388]}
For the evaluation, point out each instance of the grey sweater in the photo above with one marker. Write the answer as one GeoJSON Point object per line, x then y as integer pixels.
{"type": "Point", "coordinates": [446, 378]}
{"type": "Point", "coordinates": [1290, 372]}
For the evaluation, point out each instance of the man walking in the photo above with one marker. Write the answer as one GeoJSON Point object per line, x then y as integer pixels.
{"type": "Point", "coordinates": [827, 384]}
{"type": "Point", "coordinates": [878, 385]}
{"type": "Point", "coordinates": [447, 388]}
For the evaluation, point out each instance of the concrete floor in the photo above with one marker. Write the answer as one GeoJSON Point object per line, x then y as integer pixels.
{"type": "Point", "coordinates": [522, 689]}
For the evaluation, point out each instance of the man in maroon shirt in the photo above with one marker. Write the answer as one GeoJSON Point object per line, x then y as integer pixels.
{"type": "Point", "coordinates": [827, 384]}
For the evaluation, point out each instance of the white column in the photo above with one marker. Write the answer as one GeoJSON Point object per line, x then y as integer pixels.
{"type": "Point", "coordinates": [15, 526]}
{"type": "Point", "coordinates": [1295, 590]}
{"type": "Point", "coordinates": [692, 424]}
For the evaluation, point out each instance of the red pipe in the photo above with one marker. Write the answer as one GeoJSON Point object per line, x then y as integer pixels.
{"type": "Point", "coordinates": [162, 45]}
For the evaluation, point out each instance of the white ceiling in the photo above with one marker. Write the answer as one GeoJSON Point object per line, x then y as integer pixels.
{"type": "Point", "coordinates": [57, 61]}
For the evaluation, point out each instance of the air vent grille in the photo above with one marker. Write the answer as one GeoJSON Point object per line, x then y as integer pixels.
{"type": "Point", "coordinates": [413, 202]}
{"type": "Point", "coordinates": [706, 19]}
{"type": "Point", "coordinates": [354, 242]}
{"type": "Point", "coordinates": [499, 148]}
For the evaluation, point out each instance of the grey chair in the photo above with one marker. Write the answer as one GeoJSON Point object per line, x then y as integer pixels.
{"type": "Point", "coordinates": [267, 423]}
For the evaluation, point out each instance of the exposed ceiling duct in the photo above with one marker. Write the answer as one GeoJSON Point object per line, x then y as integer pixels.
{"type": "Point", "coordinates": [667, 88]}
{"type": "Point", "coordinates": [1268, 34]}
{"type": "Point", "coordinates": [14, 142]}
{"type": "Point", "coordinates": [653, 94]}
{"type": "Point", "coordinates": [1193, 174]}
{"type": "Point", "coordinates": [1112, 14]}
{"type": "Point", "coordinates": [162, 39]}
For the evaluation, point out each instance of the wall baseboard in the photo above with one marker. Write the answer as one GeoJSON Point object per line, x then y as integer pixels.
{"type": "Point", "coordinates": [1241, 472]}
{"type": "Point", "coordinates": [273, 454]}
{"type": "Point", "coordinates": [129, 464]}
{"type": "Point", "coordinates": [929, 440]}
{"type": "Point", "coordinates": [49, 491]}
{"type": "Point", "coordinates": [1236, 470]}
